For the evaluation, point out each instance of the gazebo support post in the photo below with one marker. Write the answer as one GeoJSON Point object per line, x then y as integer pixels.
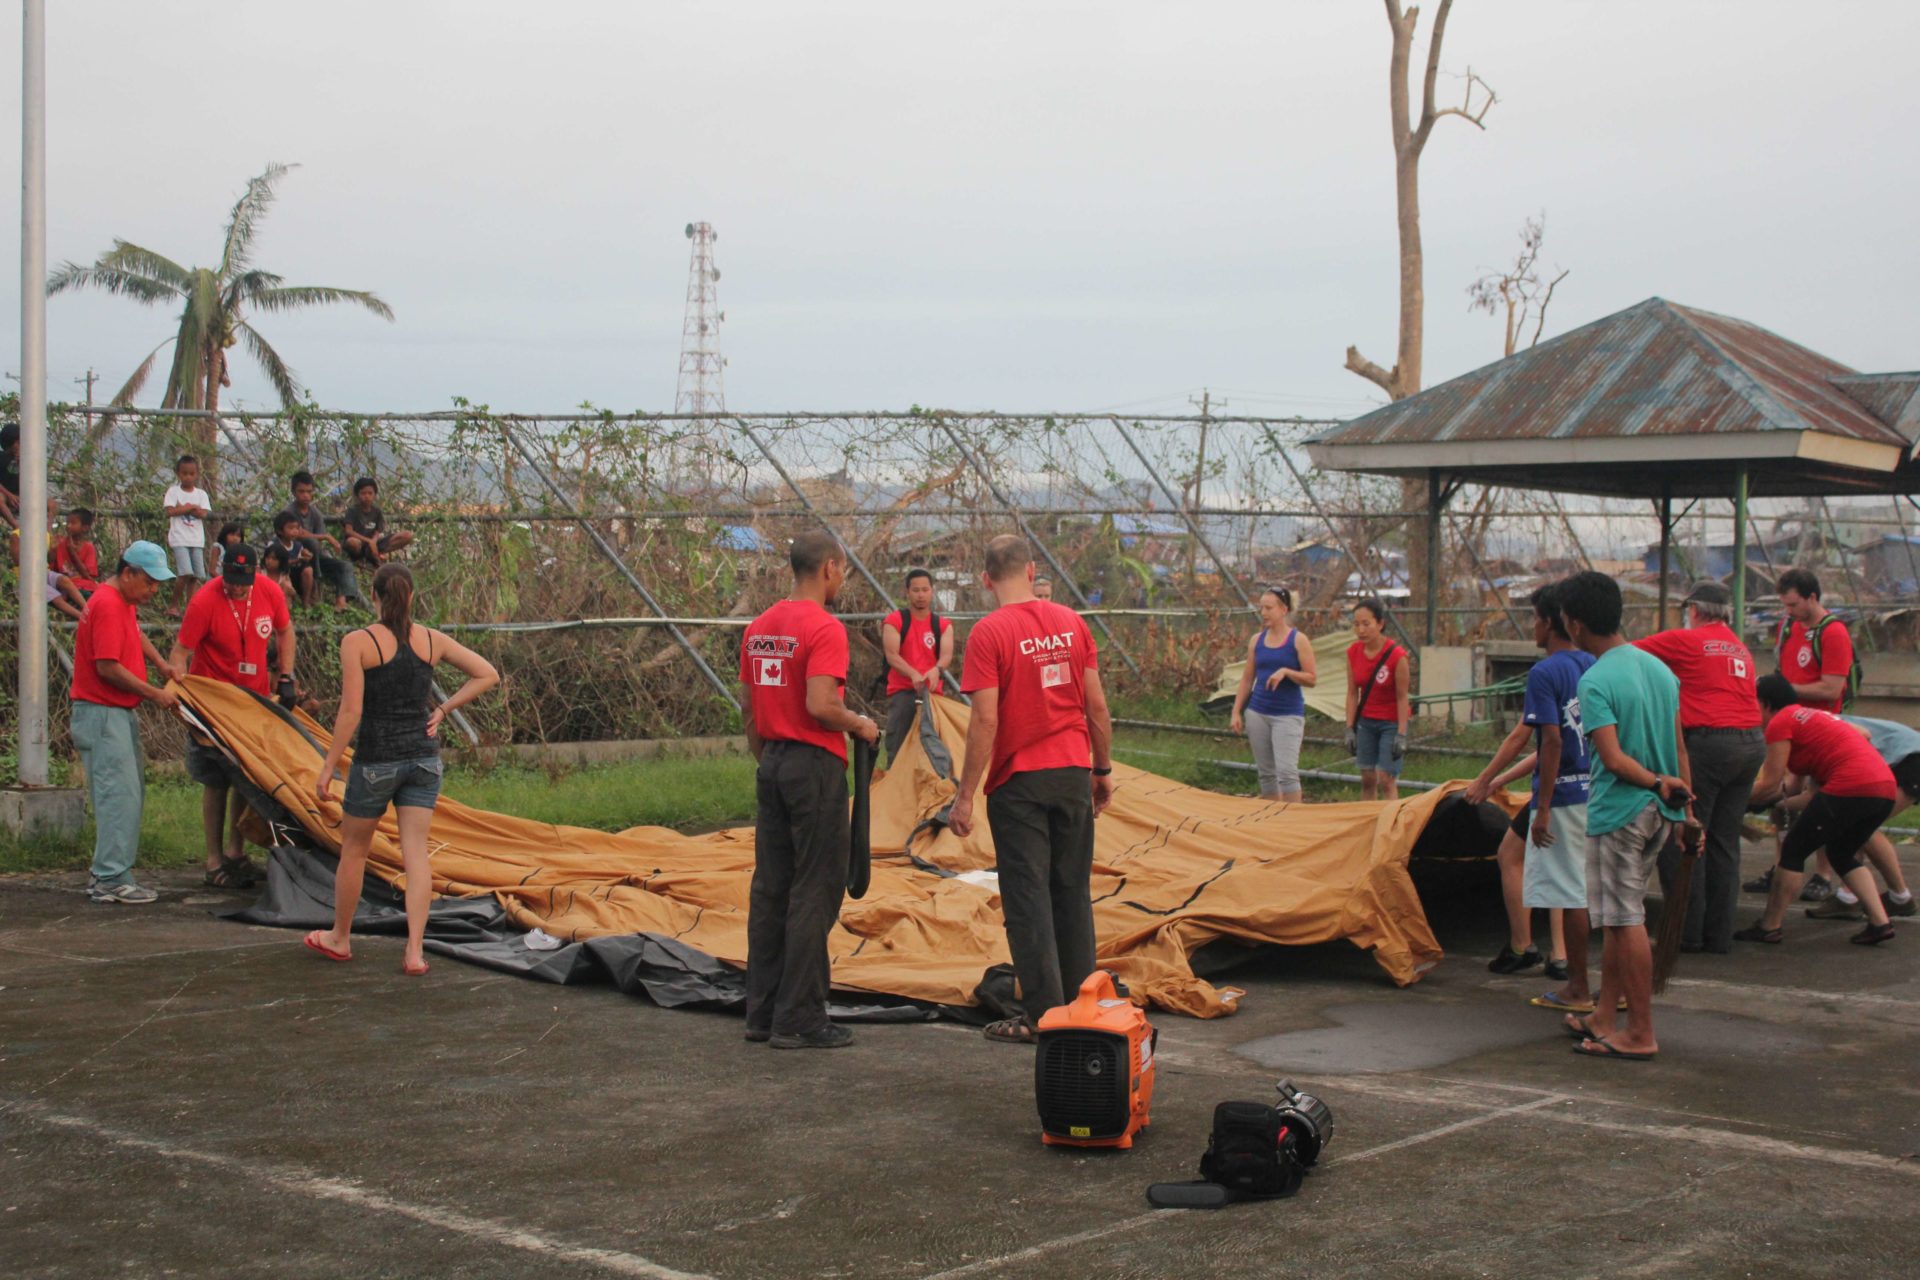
{"type": "Point", "coordinates": [1740, 550]}
{"type": "Point", "coordinates": [1666, 548]}
{"type": "Point", "coordinates": [1437, 497]}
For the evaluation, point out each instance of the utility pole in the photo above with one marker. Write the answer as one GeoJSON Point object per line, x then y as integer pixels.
{"type": "Point", "coordinates": [1199, 470]}
{"type": "Point", "coordinates": [90, 379]}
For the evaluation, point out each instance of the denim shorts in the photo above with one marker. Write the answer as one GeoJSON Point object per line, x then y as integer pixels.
{"type": "Point", "coordinates": [407, 784]}
{"type": "Point", "coordinates": [1373, 746]}
{"type": "Point", "coordinates": [190, 562]}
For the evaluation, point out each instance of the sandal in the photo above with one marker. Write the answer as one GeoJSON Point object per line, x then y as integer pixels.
{"type": "Point", "coordinates": [226, 876]}
{"type": "Point", "coordinates": [1009, 1031]}
{"type": "Point", "coordinates": [1756, 933]}
{"type": "Point", "coordinates": [246, 874]}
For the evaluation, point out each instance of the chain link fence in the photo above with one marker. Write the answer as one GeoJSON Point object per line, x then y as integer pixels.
{"type": "Point", "coordinates": [606, 562]}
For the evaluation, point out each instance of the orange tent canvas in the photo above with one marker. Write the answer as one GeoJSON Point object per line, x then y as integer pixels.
{"type": "Point", "coordinates": [1175, 868]}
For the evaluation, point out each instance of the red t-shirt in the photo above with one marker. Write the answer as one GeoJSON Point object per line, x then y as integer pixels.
{"type": "Point", "coordinates": [1037, 654]}
{"type": "Point", "coordinates": [109, 631]}
{"type": "Point", "coordinates": [1832, 752]}
{"type": "Point", "coordinates": [1836, 658]}
{"type": "Point", "coordinates": [918, 645]}
{"type": "Point", "coordinates": [783, 647]}
{"type": "Point", "coordinates": [1716, 673]}
{"type": "Point", "coordinates": [1381, 701]}
{"type": "Point", "coordinates": [225, 634]}
{"type": "Point", "coordinates": [79, 561]}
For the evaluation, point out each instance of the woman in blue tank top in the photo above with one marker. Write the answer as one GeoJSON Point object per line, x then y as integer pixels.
{"type": "Point", "coordinates": [1270, 707]}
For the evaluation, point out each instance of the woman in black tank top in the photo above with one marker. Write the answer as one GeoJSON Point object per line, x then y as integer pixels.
{"type": "Point", "coordinates": [387, 712]}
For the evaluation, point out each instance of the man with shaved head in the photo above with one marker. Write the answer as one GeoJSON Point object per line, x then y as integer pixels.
{"type": "Point", "coordinates": [1042, 742]}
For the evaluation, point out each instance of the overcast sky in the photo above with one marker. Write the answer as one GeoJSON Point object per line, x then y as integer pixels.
{"type": "Point", "coordinates": [1035, 205]}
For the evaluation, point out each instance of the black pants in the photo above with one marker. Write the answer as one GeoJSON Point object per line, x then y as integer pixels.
{"type": "Point", "coordinates": [1042, 825]}
{"type": "Point", "coordinates": [900, 712]}
{"type": "Point", "coordinates": [1724, 762]}
{"type": "Point", "coordinates": [799, 877]}
{"type": "Point", "coordinates": [1841, 825]}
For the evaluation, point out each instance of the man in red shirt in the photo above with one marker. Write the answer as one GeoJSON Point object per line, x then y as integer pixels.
{"type": "Point", "coordinates": [793, 671]}
{"type": "Point", "coordinates": [1041, 739]}
{"type": "Point", "coordinates": [1816, 649]}
{"type": "Point", "coordinates": [918, 644]}
{"type": "Point", "coordinates": [1720, 718]}
{"type": "Point", "coordinates": [110, 658]}
{"type": "Point", "coordinates": [1856, 796]}
{"type": "Point", "coordinates": [224, 637]}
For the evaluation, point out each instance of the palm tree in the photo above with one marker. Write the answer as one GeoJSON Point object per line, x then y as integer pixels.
{"type": "Point", "coordinates": [214, 304]}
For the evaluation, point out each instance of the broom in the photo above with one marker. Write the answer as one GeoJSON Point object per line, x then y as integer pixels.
{"type": "Point", "coordinates": [1673, 921]}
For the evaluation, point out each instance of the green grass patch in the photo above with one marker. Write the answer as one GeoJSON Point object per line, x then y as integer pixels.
{"type": "Point", "coordinates": [685, 792]}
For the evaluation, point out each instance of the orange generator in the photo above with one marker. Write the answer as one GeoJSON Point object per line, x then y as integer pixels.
{"type": "Point", "coordinates": [1093, 1068]}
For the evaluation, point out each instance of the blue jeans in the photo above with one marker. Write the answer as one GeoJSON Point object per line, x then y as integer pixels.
{"type": "Point", "coordinates": [1373, 742]}
{"type": "Point", "coordinates": [108, 740]}
{"type": "Point", "coordinates": [406, 784]}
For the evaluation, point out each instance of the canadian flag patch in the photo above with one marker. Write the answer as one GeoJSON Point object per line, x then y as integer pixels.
{"type": "Point", "coordinates": [1055, 673]}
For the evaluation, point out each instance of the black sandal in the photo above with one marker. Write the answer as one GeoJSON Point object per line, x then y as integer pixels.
{"type": "Point", "coordinates": [1009, 1031]}
{"type": "Point", "coordinates": [224, 876]}
{"type": "Point", "coordinates": [1757, 933]}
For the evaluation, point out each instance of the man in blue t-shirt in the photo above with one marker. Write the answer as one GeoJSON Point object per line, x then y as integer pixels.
{"type": "Point", "coordinates": [1556, 860]}
{"type": "Point", "coordinates": [1543, 857]}
{"type": "Point", "coordinates": [1630, 714]}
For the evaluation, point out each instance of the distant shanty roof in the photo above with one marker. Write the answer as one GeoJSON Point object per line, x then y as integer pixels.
{"type": "Point", "coordinates": [1657, 395]}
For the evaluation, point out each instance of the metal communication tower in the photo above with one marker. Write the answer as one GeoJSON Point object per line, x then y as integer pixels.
{"type": "Point", "coordinates": [702, 384]}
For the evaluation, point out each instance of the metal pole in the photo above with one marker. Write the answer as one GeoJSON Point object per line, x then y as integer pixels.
{"type": "Point", "coordinates": [1740, 550]}
{"type": "Point", "coordinates": [1046, 552]}
{"type": "Point", "coordinates": [1665, 510]}
{"type": "Point", "coordinates": [32, 748]}
{"type": "Point", "coordinates": [1359, 565]}
{"type": "Point", "coordinates": [606, 549]}
{"type": "Point", "coordinates": [1435, 504]}
{"type": "Point", "coordinates": [846, 548]}
{"type": "Point", "coordinates": [1193, 526]}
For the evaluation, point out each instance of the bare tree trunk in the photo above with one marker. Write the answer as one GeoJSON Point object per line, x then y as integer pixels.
{"type": "Point", "coordinates": [1409, 141]}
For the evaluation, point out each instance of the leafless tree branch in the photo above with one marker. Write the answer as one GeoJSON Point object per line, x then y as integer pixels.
{"type": "Point", "coordinates": [1540, 319]}
{"type": "Point", "coordinates": [1382, 378]}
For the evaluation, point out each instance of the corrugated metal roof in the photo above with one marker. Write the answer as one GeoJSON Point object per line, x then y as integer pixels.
{"type": "Point", "coordinates": [1655, 369]}
{"type": "Point", "coordinates": [1894, 398]}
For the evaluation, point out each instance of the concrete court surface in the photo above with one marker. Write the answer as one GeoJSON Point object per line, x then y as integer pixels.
{"type": "Point", "coordinates": [182, 1096]}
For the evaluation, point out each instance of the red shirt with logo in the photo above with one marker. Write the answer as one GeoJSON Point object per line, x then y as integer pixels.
{"type": "Point", "coordinates": [783, 647]}
{"type": "Point", "coordinates": [918, 646]}
{"type": "Point", "coordinates": [1717, 675]}
{"type": "Point", "coordinates": [1836, 658]}
{"type": "Point", "coordinates": [109, 631]}
{"type": "Point", "coordinates": [1832, 752]}
{"type": "Point", "coordinates": [1381, 700]}
{"type": "Point", "coordinates": [229, 637]}
{"type": "Point", "coordinates": [1037, 654]}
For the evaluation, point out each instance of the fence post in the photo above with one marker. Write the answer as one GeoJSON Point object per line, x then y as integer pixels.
{"type": "Point", "coordinates": [1192, 525]}
{"type": "Point", "coordinates": [846, 548]}
{"type": "Point", "coordinates": [606, 549]}
{"type": "Point", "coordinates": [1046, 552]}
{"type": "Point", "coordinates": [1313, 500]}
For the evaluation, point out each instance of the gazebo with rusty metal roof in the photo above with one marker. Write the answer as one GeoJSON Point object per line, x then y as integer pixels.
{"type": "Point", "coordinates": [1658, 401]}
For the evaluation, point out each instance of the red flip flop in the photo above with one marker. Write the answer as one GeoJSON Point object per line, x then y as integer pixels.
{"type": "Point", "coordinates": [312, 943]}
{"type": "Point", "coordinates": [412, 972]}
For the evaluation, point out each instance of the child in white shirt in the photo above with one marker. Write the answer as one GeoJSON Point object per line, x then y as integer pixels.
{"type": "Point", "coordinates": [187, 511]}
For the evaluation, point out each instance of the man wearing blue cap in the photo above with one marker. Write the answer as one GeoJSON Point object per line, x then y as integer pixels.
{"type": "Point", "coordinates": [110, 660]}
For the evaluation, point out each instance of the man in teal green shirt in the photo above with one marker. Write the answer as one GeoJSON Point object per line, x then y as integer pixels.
{"type": "Point", "coordinates": [1629, 712]}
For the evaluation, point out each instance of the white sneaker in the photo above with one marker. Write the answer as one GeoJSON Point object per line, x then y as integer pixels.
{"type": "Point", "coordinates": [130, 893]}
